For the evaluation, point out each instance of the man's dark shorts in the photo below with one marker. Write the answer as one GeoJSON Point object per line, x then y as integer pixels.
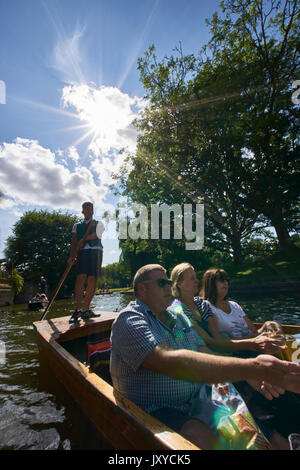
{"type": "Point", "coordinates": [89, 262]}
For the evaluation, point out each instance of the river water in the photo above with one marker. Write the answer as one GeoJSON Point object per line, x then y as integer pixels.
{"type": "Point", "coordinates": [35, 410]}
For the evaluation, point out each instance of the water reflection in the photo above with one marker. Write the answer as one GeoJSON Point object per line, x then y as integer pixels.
{"type": "Point", "coordinates": [36, 412]}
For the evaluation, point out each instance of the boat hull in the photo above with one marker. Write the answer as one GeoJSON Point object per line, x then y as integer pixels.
{"type": "Point", "coordinates": [123, 424]}
{"type": "Point", "coordinates": [37, 305]}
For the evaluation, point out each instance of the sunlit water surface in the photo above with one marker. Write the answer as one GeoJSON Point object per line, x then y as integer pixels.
{"type": "Point", "coordinates": [35, 410]}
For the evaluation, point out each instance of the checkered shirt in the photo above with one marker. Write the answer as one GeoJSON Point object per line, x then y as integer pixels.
{"type": "Point", "coordinates": [135, 333]}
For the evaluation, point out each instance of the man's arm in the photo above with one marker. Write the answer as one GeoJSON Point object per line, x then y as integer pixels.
{"type": "Point", "coordinates": [98, 233]}
{"type": "Point", "coordinates": [74, 246]}
{"type": "Point", "coordinates": [195, 366]}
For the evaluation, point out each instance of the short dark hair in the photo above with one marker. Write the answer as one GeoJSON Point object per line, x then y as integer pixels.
{"type": "Point", "coordinates": [87, 204]}
{"type": "Point", "coordinates": [143, 273]}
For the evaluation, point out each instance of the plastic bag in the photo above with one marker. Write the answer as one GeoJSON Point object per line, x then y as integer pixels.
{"type": "Point", "coordinates": [294, 440]}
{"type": "Point", "coordinates": [292, 352]}
{"type": "Point", "coordinates": [223, 409]}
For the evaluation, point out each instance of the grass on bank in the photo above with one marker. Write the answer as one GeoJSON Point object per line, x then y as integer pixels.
{"type": "Point", "coordinates": [268, 270]}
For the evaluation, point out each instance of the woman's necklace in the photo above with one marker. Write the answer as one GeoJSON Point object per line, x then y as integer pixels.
{"type": "Point", "coordinates": [224, 305]}
{"type": "Point", "coordinates": [194, 311]}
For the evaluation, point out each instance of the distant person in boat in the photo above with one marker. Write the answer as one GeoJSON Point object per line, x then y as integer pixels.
{"type": "Point", "coordinates": [230, 320]}
{"type": "Point", "coordinates": [36, 298]}
{"type": "Point", "coordinates": [159, 362]}
{"type": "Point", "coordinates": [89, 261]}
{"type": "Point", "coordinates": [185, 287]}
{"type": "Point", "coordinates": [43, 285]}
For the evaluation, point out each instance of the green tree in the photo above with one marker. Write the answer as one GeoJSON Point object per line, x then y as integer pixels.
{"type": "Point", "coordinates": [222, 128]}
{"type": "Point", "coordinates": [40, 245]}
{"type": "Point", "coordinates": [17, 281]}
{"type": "Point", "coordinates": [259, 41]}
{"type": "Point", "coordinates": [183, 157]}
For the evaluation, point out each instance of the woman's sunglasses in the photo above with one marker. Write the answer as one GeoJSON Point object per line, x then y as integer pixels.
{"type": "Point", "coordinates": [160, 282]}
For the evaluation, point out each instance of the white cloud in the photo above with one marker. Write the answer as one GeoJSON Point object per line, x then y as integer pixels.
{"type": "Point", "coordinates": [106, 112]}
{"type": "Point", "coordinates": [73, 154]}
{"type": "Point", "coordinates": [66, 57]}
{"type": "Point", "coordinates": [109, 113]}
{"type": "Point", "coordinates": [30, 175]}
{"type": "Point", "coordinates": [9, 205]}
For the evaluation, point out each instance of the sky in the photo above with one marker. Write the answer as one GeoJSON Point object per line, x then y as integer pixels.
{"type": "Point", "coordinates": [69, 91]}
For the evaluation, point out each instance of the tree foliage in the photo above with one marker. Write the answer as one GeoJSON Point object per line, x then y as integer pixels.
{"type": "Point", "coordinates": [17, 281]}
{"type": "Point", "coordinates": [259, 40]}
{"type": "Point", "coordinates": [40, 245]}
{"type": "Point", "coordinates": [221, 127]}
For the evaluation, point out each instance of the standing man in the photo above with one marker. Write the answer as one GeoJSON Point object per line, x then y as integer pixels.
{"type": "Point", "coordinates": [89, 261]}
{"type": "Point", "coordinates": [43, 285]}
{"type": "Point", "coordinates": [159, 362]}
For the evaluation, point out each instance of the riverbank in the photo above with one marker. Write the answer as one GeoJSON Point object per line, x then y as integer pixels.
{"type": "Point", "coordinates": [291, 286]}
{"type": "Point", "coordinates": [7, 294]}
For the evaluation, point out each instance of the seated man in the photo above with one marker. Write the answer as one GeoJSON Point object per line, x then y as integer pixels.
{"type": "Point", "coordinates": [155, 360]}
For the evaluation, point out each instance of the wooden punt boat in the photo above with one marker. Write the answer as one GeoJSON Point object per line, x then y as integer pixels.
{"type": "Point", "coordinates": [124, 425]}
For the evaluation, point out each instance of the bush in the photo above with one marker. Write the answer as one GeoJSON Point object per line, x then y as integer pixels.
{"type": "Point", "coordinates": [17, 281]}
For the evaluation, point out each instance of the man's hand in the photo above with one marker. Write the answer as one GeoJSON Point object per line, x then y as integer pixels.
{"type": "Point", "coordinates": [79, 245]}
{"type": "Point", "coordinates": [268, 345]}
{"type": "Point", "coordinates": [278, 373]}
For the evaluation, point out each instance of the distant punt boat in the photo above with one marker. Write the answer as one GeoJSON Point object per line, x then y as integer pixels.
{"type": "Point", "coordinates": [37, 304]}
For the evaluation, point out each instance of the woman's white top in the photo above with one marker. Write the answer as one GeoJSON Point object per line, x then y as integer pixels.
{"type": "Point", "coordinates": [233, 324]}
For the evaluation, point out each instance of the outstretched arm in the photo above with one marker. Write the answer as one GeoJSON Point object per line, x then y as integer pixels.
{"type": "Point", "coordinates": [261, 343]}
{"type": "Point", "coordinates": [195, 366]}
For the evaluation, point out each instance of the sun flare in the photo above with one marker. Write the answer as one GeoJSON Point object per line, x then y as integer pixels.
{"type": "Point", "coordinates": [106, 112]}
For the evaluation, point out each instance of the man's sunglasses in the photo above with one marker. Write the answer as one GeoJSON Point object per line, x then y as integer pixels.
{"type": "Point", "coordinates": [160, 282]}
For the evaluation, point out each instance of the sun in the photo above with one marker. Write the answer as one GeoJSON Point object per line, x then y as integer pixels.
{"type": "Point", "coordinates": [105, 111]}
{"type": "Point", "coordinates": [101, 116]}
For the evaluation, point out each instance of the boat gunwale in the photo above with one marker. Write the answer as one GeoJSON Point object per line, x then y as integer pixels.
{"type": "Point", "coordinates": [48, 331]}
{"type": "Point", "coordinates": [57, 330]}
